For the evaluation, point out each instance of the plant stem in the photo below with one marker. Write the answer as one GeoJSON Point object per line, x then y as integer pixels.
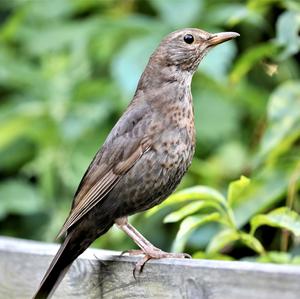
{"type": "Point", "coordinates": [291, 195]}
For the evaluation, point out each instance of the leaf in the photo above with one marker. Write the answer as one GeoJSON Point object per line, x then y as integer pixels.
{"type": "Point", "coordinates": [18, 197]}
{"type": "Point", "coordinates": [214, 256]}
{"type": "Point", "coordinates": [266, 189]}
{"type": "Point", "coordinates": [17, 72]}
{"type": "Point", "coordinates": [14, 128]}
{"type": "Point", "coordinates": [278, 258]}
{"type": "Point", "coordinates": [283, 218]}
{"type": "Point", "coordinates": [252, 242]}
{"type": "Point", "coordinates": [250, 58]}
{"type": "Point", "coordinates": [221, 239]}
{"type": "Point", "coordinates": [35, 40]}
{"type": "Point", "coordinates": [230, 14]}
{"type": "Point", "coordinates": [228, 236]}
{"type": "Point", "coordinates": [191, 194]}
{"type": "Point", "coordinates": [283, 121]}
{"type": "Point", "coordinates": [170, 10]}
{"type": "Point", "coordinates": [188, 225]}
{"type": "Point", "coordinates": [50, 10]}
{"type": "Point", "coordinates": [287, 33]}
{"type": "Point", "coordinates": [236, 189]}
{"type": "Point", "coordinates": [189, 209]}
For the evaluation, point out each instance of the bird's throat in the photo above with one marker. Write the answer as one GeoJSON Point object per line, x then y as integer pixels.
{"type": "Point", "coordinates": [158, 77]}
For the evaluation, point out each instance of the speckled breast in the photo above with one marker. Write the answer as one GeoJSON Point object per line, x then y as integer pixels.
{"type": "Point", "coordinates": [157, 173]}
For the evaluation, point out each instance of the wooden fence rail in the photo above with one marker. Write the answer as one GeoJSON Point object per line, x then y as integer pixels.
{"type": "Point", "coordinates": [104, 274]}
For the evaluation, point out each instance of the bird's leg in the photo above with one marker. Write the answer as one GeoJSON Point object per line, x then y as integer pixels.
{"type": "Point", "coordinates": [146, 248]}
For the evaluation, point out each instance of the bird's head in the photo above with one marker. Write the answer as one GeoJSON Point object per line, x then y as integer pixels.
{"type": "Point", "coordinates": [185, 48]}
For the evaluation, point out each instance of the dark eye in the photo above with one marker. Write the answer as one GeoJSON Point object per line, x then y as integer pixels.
{"type": "Point", "coordinates": [188, 38]}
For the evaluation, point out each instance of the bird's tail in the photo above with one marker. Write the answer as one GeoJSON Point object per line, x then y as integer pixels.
{"type": "Point", "coordinates": [62, 261]}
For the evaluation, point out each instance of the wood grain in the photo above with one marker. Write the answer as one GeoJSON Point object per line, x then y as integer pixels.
{"type": "Point", "coordinates": [104, 274]}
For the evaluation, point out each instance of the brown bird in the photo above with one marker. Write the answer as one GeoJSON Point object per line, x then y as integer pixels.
{"type": "Point", "coordinates": [143, 158]}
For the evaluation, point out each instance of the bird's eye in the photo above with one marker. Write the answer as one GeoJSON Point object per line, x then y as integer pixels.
{"type": "Point", "coordinates": [188, 38]}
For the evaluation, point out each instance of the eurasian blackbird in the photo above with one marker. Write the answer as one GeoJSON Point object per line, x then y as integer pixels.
{"type": "Point", "coordinates": [143, 158]}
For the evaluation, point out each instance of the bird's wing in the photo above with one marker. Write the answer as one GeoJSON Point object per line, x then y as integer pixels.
{"type": "Point", "coordinates": [99, 180]}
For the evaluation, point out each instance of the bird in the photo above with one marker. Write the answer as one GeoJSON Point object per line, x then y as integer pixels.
{"type": "Point", "coordinates": [143, 158]}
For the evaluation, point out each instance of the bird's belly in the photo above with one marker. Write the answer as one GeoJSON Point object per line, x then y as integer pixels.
{"type": "Point", "coordinates": [154, 177]}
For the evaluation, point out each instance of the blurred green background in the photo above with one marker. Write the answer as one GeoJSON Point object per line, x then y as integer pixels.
{"type": "Point", "coordinates": [68, 68]}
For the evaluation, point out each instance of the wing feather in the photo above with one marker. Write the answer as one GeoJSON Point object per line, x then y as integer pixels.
{"type": "Point", "coordinates": [87, 198]}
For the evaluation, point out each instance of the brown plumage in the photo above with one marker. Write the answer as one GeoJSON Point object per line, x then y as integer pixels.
{"type": "Point", "coordinates": [143, 158]}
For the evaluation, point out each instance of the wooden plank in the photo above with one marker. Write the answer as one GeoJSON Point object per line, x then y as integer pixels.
{"type": "Point", "coordinates": [104, 274]}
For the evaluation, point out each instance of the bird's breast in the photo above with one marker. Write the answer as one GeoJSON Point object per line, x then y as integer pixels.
{"type": "Point", "coordinates": [174, 143]}
{"type": "Point", "coordinates": [170, 127]}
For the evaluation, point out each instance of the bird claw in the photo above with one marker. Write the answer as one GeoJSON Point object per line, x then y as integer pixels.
{"type": "Point", "coordinates": [138, 268]}
{"type": "Point", "coordinates": [186, 255]}
{"type": "Point", "coordinates": [153, 253]}
{"type": "Point", "coordinates": [132, 252]}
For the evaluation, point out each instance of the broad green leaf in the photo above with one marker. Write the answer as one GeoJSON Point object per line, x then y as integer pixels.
{"type": "Point", "coordinates": [50, 10]}
{"type": "Point", "coordinates": [236, 189]}
{"type": "Point", "coordinates": [232, 14]}
{"type": "Point", "coordinates": [266, 189]}
{"type": "Point", "coordinates": [222, 239]}
{"type": "Point", "coordinates": [252, 242]}
{"type": "Point", "coordinates": [188, 225]}
{"type": "Point", "coordinates": [283, 218]}
{"type": "Point", "coordinates": [228, 236]}
{"type": "Point", "coordinates": [228, 13]}
{"type": "Point", "coordinates": [18, 197]}
{"type": "Point", "coordinates": [16, 72]}
{"type": "Point", "coordinates": [191, 194]}
{"type": "Point", "coordinates": [72, 34]}
{"type": "Point", "coordinates": [177, 12]}
{"type": "Point", "coordinates": [278, 258]}
{"type": "Point", "coordinates": [190, 209]}
{"type": "Point", "coordinates": [283, 121]}
{"type": "Point", "coordinates": [287, 33]}
{"type": "Point", "coordinates": [13, 128]}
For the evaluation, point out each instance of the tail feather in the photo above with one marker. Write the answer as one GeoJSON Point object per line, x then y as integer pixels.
{"type": "Point", "coordinates": [57, 269]}
{"type": "Point", "coordinates": [77, 241]}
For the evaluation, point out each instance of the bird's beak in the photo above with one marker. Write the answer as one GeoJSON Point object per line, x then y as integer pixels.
{"type": "Point", "coordinates": [221, 37]}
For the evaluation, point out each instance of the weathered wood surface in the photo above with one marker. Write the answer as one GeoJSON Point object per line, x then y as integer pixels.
{"type": "Point", "coordinates": [104, 274]}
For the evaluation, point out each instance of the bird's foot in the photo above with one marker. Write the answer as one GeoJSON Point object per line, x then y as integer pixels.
{"type": "Point", "coordinates": [149, 253]}
{"type": "Point", "coordinates": [147, 249]}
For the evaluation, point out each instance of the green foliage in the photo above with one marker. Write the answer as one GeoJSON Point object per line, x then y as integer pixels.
{"type": "Point", "coordinates": [279, 258]}
{"type": "Point", "coordinates": [192, 217]}
{"type": "Point", "coordinates": [13, 201]}
{"type": "Point", "coordinates": [68, 68]}
{"type": "Point", "coordinates": [236, 189]}
{"type": "Point", "coordinates": [221, 211]}
{"type": "Point", "coordinates": [283, 121]}
{"type": "Point", "coordinates": [282, 217]}
{"type": "Point", "coordinates": [188, 225]}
